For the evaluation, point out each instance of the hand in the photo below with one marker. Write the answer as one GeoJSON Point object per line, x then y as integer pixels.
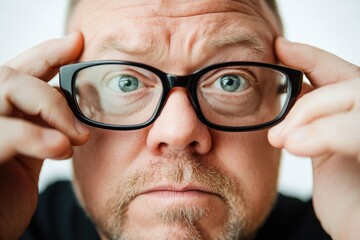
{"type": "Point", "coordinates": [324, 124]}
{"type": "Point", "coordinates": [35, 123]}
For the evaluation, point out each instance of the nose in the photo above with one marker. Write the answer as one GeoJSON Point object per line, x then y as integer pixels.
{"type": "Point", "coordinates": [178, 127]}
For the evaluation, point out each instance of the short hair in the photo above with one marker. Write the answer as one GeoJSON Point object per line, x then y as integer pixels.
{"type": "Point", "coordinates": [271, 3]}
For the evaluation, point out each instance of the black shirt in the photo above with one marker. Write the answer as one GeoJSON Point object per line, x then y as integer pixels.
{"type": "Point", "coordinates": [59, 217]}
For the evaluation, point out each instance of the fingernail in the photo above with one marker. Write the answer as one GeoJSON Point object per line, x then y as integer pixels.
{"type": "Point", "coordinates": [80, 128]}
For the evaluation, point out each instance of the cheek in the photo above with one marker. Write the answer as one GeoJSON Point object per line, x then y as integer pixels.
{"type": "Point", "coordinates": [102, 162]}
{"type": "Point", "coordinates": [249, 158]}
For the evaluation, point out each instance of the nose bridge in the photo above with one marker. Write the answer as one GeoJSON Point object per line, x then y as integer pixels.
{"type": "Point", "coordinates": [178, 126]}
{"type": "Point", "coordinates": [184, 81]}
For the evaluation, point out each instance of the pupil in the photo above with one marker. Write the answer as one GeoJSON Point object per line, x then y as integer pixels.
{"type": "Point", "coordinates": [230, 83]}
{"type": "Point", "coordinates": [128, 83]}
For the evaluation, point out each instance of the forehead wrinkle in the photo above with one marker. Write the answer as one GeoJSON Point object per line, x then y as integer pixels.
{"type": "Point", "coordinates": [227, 32]}
{"type": "Point", "coordinates": [219, 35]}
{"type": "Point", "coordinates": [230, 34]}
{"type": "Point", "coordinates": [184, 8]}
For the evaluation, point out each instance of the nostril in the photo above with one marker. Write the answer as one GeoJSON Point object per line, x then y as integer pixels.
{"type": "Point", "coordinates": [193, 145]}
{"type": "Point", "coordinates": [160, 148]}
{"type": "Point", "coordinates": [197, 147]}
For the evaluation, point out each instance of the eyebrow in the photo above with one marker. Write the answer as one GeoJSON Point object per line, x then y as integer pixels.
{"type": "Point", "coordinates": [112, 43]}
{"type": "Point", "coordinates": [237, 39]}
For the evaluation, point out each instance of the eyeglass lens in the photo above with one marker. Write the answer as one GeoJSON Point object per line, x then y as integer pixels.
{"type": "Point", "coordinates": [126, 95]}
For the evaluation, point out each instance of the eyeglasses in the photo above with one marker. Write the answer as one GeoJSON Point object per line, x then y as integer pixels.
{"type": "Point", "coordinates": [230, 96]}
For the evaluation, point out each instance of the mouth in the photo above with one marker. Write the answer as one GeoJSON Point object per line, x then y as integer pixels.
{"type": "Point", "coordinates": [171, 191]}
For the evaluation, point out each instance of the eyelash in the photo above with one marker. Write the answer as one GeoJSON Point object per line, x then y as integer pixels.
{"type": "Point", "coordinates": [249, 76]}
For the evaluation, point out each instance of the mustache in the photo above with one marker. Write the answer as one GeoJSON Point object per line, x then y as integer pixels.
{"type": "Point", "coordinates": [173, 168]}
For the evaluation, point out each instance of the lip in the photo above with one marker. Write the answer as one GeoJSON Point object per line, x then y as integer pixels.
{"type": "Point", "coordinates": [177, 191]}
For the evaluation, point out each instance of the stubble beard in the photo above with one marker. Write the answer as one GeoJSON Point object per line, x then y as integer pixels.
{"type": "Point", "coordinates": [181, 169]}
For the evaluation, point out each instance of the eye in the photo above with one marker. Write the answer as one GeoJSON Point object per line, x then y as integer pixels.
{"type": "Point", "coordinates": [232, 83]}
{"type": "Point", "coordinates": [124, 83]}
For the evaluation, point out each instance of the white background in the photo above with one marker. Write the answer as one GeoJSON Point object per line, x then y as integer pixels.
{"type": "Point", "coordinates": [329, 24]}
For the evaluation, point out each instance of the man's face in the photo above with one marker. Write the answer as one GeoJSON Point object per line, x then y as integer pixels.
{"type": "Point", "coordinates": [176, 179]}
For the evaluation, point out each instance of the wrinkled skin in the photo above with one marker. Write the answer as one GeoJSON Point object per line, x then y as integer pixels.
{"type": "Point", "coordinates": [177, 178]}
{"type": "Point", "coordinates": [178, 37]}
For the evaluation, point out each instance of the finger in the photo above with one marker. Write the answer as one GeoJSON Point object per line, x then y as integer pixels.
{"type": "Point", "coordinates": [22, 137]}
{"type": "Point", "coordinates": [332, 99]}
{"type": "Point", "coordinates": [36, 98]}
{"type": "Point", "coordinates": [326, 136]}
{"type": "Point", "coordinates": [44, 60]}
{"type": "Point", "coordinates": [320, 67]}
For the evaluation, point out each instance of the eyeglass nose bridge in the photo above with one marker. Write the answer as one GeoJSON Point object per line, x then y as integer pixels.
{"type": "Point", "coordinates": [179, 81]}
{"type": "Point", "coordinates": [187, 82]}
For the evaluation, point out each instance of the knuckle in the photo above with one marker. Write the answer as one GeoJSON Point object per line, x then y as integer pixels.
{"type": "Point", "coordinates": [47, 63]}
{"type": "Point", "coordinates": [23, 130]}
{"type": "Point", "coordinates": [57, 109]}
{"type": "Point", "coordinates": [59, 100]}
{"type": "Point", "coordinates": [5, 74]}
{"type": "Point", "coordinates": [17, 131]}
{"type": "Point", "coordinates": [351, 89]}
{"type": "Point", "coordinates": [23, 137]}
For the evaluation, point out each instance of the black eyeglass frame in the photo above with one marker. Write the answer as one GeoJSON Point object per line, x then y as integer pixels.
{"type": "Point", "coordinates": [69, 72]}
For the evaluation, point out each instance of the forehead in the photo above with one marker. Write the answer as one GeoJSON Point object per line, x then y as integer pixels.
{"type": "Point", "coordinates": [165, 29]}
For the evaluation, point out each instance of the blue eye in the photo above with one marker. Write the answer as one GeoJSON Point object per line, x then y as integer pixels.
{"type": "Point", "coordinates": [232, 83]}
{"type": "Point", "coordinates": [128, 83]}
{"type": "Point", "coordinates": [124, 83]}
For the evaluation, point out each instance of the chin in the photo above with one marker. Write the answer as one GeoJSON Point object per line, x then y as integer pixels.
{"type": "Point", "coordinates": [208, 219]}
{"type": "Point", "coordinates": [204, 203]}
{"type": "Point", "coordinates": [177, 218]}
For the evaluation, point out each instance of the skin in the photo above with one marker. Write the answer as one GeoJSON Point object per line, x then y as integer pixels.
{"type": "Point", "coordinates": [326, 131]}
{"type": "Point", "coordinates": [121, 155]}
